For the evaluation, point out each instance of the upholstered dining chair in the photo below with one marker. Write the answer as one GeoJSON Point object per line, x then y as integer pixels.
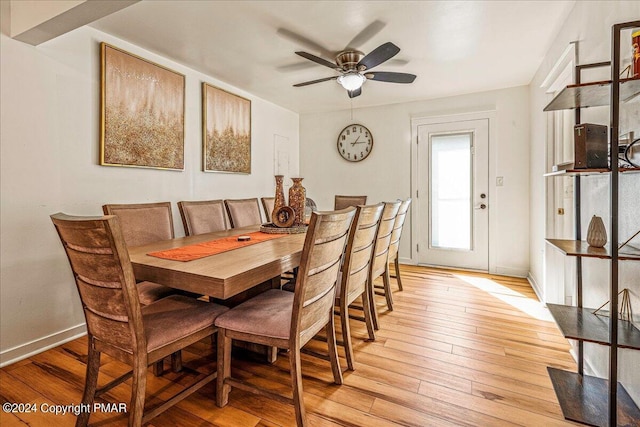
{"type": "Point", "coordinates": [353, 281]}
{"type": "Point", "coordinates": [379, 263]}
{"type": "Point", "coordinates": [143, 223]}
{"type": "Point", "coordinates": [289, 320]}
{"type": "Point", "coordinates": [243, 212]}
{"type": "Point", "coordinates": [394, 245]}
{"type": "Point", "coordinates": [342, 202]}
{"type": "Point", "coordinates": [117, 324]}
{"type": "Point", "coordinates": [203, 216]}
{"type": "Point", "coordinates": [268, 203]}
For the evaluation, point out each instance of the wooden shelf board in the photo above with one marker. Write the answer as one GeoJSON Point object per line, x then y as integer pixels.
{"type": "Point", "coordinates": [581, 324]}
{"type": "Point", "coordinates": [585, 399]}
{"type": "Point", "coordinates": [573, 172]}
{"type": "Point", "coordinates": [593, 94]}
{"type": "Point", "coordinates": [582, 248]}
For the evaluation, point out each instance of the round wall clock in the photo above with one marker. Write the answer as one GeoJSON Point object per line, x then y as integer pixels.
{"type": "Point", "coordinates": [355, 143]}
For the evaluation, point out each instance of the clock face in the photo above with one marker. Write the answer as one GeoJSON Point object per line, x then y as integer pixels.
{"type": "Point", "coordinates": [355, 143]}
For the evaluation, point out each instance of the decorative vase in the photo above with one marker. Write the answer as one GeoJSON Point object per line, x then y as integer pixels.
{"type": "Point", "coordinates": [297, 200]}
{"type": "Point", "coordinates": [279, 198]}
{"type": "Point", "coordinates": [596, 234]}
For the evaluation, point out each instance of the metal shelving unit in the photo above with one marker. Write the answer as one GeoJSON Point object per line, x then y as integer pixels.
{"type": "Point", "coordinates": [585, 399]}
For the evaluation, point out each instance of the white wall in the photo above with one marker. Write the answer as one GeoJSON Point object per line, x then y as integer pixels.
{"type": "Point", "coordinates": [589, 23]}
{"type": "Point", "coordinates": [386, 174]}
{"type": "Point", "coordinates": [49, 152]}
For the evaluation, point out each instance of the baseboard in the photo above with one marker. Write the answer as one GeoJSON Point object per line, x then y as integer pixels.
{"type": "Point", "coordinates": [536, 287]}
{"type": "Point", "coordinates": [23, 351]}
{"type": "Point", "coordinates": [408, 261]}
{"type": "Point", "coordinates": [512, 272]}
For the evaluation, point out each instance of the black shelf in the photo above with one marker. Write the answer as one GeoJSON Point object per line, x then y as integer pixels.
{"type": "Point", "coordinates": [595, 94]}
{"type": "Point", "coordinates": [581, 324]}
{"type": "Point", "coordinates": [583, 172]}
{"type": "Point", "coordinates": [585, 399]}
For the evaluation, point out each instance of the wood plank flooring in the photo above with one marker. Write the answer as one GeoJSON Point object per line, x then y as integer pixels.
{"type": "Point", "coordinates": [459, 349]}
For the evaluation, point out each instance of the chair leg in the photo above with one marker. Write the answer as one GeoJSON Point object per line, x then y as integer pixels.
{"type": "Point", "coordinates": [333, 349]}
{"type": "Point", "coordinates": [368, 317]}
{"type": "Point", "coordinates": [176, 361]}
{"type": "Point", "coordinates": [90, 385]}
{"type": "Point", "coordinates": [396, 264]}
{"type": "Point", "coordinates": [138, 389]}
{"type": "Point", "coordinates": [387, 288]}
{"type": "Point", "coordinates": [296, 382]}
{"type": "Point", "coordinates": [158, 368]}
{"type": "Point", "coordinates": [372, 305]}
{"type": "Point", "coordinates": [224, 368]}
{"type": "Point", "coordinates": [346, 334]}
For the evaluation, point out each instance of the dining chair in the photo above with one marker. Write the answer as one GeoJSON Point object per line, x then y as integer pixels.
{"type": "Point", "coordinates": [243, 212]}
{"type": "Point", "coordinates": [143, 223]}
{"type": "Point", "coordinates": [342, 202]}
{"type": "Point", "coordinates": [379, 263]}
{"type": "Point", "coordinates": [117, 324]}
{"type": "Point", "coordinates": [395, 240]}
{"type": "Point", "coordinates": [268, 203]}
{"type": "Point", "coordinates": [353, 281]}
{"type": "Point", "coordinates": [204, 216]}
{"type": "Point", "coordinates": [289, 320]}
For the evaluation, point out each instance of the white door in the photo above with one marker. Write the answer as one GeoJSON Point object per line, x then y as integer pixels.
{"type": "Point", "coordinates": [453, 197]}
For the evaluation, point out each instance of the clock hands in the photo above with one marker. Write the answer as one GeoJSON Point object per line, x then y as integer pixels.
{"type": "Point", "coordinates": [356, 141]}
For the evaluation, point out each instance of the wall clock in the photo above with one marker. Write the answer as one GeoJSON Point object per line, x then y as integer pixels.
{"type": "Point", "coordinates": [355, 143]}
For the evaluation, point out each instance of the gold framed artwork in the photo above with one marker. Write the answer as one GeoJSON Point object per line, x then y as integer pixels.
{"type": "Point", "coordinates": [226, 131]}
{"type": "Point", "coordinates": [141, 112]}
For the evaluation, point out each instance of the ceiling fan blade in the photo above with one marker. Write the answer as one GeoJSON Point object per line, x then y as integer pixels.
{"type": "Point", "coordinates": [354, 93]}
{"type": "Point", "coordinates": [387, 76]}
{"type": "Point", "coordinates": [378, 55]}
{"type": "Point", "coordinates": [315, 81]}
{"type": "Point", "coordinates": [308, 43]}
{"type": "Point", "coordinates": [317, 59]}
{"type": "Point", "coordinates": [365, 35]}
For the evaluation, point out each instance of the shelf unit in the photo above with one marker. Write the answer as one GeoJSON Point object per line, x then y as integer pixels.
{"type": "Point", "coordinates": [586, 399]}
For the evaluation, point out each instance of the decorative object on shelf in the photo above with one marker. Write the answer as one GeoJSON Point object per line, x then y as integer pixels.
{"type": "Point", "coordinates": [624, 310]}
{"type": "Point", "coordinates": [596, 234]}
{"type": "Point", "coordinates": [141, 112]}
{"type": "Point", "coordinates": [279, 197]}
{"type": "Point", "coordinates": [591, 148]}
{"type": "Point", "coordinates": [355, 143]}
{"type": "Point", "coordinates": [297, 200]}
{"type": "Point", "coordinates": [226, 131]}
{"type": "Point", "coordinates": [273, 229]}
{"type": "Point", "coordinates": [284, 216]}
{"type": "Point", "coordinates": [628, 240]}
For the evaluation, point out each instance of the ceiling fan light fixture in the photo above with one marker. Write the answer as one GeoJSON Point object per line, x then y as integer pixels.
{"type": "Point", "coordinates": [351, 80]}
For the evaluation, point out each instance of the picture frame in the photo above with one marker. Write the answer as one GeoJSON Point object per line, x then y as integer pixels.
{"type": "Point", "coordinates": [226, 131]}
{"type": "Point", "coordinates": [142, 106]}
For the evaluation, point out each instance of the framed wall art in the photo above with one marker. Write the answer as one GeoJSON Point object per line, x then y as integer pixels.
{"type": "Point", "coordinates": [226, 131]}
{"type": "Point", "coordinates": [141, 112]}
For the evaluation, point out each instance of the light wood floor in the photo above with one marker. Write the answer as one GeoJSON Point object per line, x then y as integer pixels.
{"type": "Point", "coordinates": [458, 349]}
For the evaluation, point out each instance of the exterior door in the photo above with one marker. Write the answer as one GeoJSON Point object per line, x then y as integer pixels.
{"type": "Point", "coordinates": [453, 197]}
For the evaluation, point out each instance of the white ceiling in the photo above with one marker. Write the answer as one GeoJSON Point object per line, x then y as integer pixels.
{"type": "Point", "coordinates": [454, 47]}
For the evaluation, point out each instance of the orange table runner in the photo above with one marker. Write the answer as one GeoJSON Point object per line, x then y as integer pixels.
{"type": "Point", "coordinates": [213, 247]}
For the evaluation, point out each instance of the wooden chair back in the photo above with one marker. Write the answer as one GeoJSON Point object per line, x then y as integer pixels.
{"type": "Point", "coordinates": [383, 239]}
{"type": "Point", "coordinates": [394, 244]}
{"type": "Point", "coordinates": [243, 212]}
{"type": "Point", "coordinates": [104, 277]}
{"type": "Point", "coordinates": [143, 223]}
{"type": "Point", "coordinates": [205, 216]}
{"type": "Point", "coordinates": [342, 202]}
{"type": "Point", "coordinates": [268, 203]}
{"type": "Point", "coordinates": [318, 273]}
{"type": "Point", "coordinates": [357, 257]}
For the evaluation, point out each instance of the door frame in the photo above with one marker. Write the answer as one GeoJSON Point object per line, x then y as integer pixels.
{"type": "Point", "coordinates": [490, 116]}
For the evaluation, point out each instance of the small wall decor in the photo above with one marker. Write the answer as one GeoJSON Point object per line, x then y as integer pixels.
{"type": "Point", "coordinates": [141, 112]}
{"type": "Point", "coordinates": [596, 234]}
{"type": "Point", "coordinates": [226, 131]}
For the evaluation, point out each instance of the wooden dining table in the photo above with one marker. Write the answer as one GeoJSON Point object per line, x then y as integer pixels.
{"type": "Point", "coordinates": [223, 275]}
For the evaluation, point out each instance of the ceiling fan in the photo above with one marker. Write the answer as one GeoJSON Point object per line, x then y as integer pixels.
{"type": "Point", "coordinates": [354, 68]}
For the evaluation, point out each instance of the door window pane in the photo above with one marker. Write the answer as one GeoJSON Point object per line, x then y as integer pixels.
{"type": "Point", "coordinates": [450, 191]}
